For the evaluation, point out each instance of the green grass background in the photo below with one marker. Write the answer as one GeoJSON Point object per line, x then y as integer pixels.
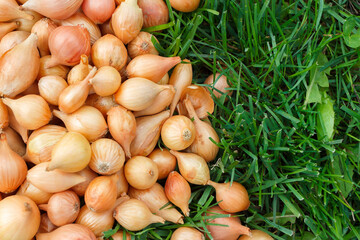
{"type": "Point", "coordinates": [290, 131]}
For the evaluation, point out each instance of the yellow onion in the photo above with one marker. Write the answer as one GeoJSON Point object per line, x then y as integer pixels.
{"type": "Point", "coordinates": [202, 144]}
{"type": "Point", "coordinates": [71, 154]}
{"type": "Point", "coordinates": [151, 66]}
{"type": "Point", "coordinates": [4, 116]}
{"type": "Point", "coordinates": [32, 192]}
{"type": "Point", "coordinates": [164, 80]}
{"type": "Point", "coordinates": [58, 70]}
{"type": "Point", "coordinates": [256, 235]}
{"type": "Point", "coordinates": [67, 44]}
{"type": "Point", "coordinates": [122, 126]}
{"type": "Point", "coordinates": [134, 215]}
{"type": "Point", "coordinates": [46, 225]}
{"type": "Point", "coordinates": [106, 81]}
{"type": "Point", "coordinates": [103, 104]}
{"type": "Point", "coordinates": [5, 28]}
{"type": "Point", "coordinates": [26, 24]}
{"type": "Point", "coordinates": [68, 232]}
{"type": "Point", "coordinates": [50, 88]}
{"type": "Point", "coordinates": [155, 12]}
{"type": "Point", "coordinates": [10, 10]}
{"type": "Point", "coordinates": [106, 28]}
{"type": "Point", "coordinates": [15, 142]}
{"type": "Point", "coordinates": [164, 160]}
{"type": "Point", "coordinates": [232, 229]}
{"type": "Point", "coordinates": [101, 193]}
{"type": "Point", "coordinates": [200, 100]}
{"type": "Point", "coordinates": [127, 21]}
{"type": "Point", "coordinates": [155, 198]}
{"type": "Point", "coordinates": [63, 208]}
{"type": "Point", "coordinates": [80, 188]}
{"type": "Point", "coordinates": [19, 218]}
{"type": "Point", "coordinates": [219, 85]}
{"type": "Point", "coordinates": [180, 78]}
{"type": "Point", "coordinates": [74, 96]}
{"type": "Point", "coordinates": [15, 125]}
{"type": "Point", "coordinates": [142, 45]}
{"type": "Point", "coordinates": [107, 156]}
{"type": "Point", "coordinates": [178, 132]}
{"type": "Point", "coordinates": [161, 101]}
{"type": "Point", "coordinates": [41, 142]}
{"type": "Point", "coordinates": [192, 167]}
{"type": "Point", "coordinates": [187, 233]}
{"type": "Point", "coordinates": [80, 19]}
{"type": "Point", "coordinates": [231, 197]}
{"type": "Point", "coordinates": [109, 51]}
{"type": "Point", "coordinates": [122, 185]}
{"type": "Point", "coordinates": [58, 9]}
{"type": "Point", "coordinates": [16, 73]}
{"type": "Point", "coordinates": [178, 191]}
{"type": "Point", "coordinates": [86, 120]}
{"type": "Point", "coordinates": [147, 133]}
{"type": "Point", "coordinates": [98, 11]}
{"type": "Point", "coordinates": [31, 111]}
{"type": "Point", "coordinates": [52, 181]}
{"type": "Point", "coordinates": [141, 172]}
{"type": "Point", "coordinates": [136, 94]}
{"type": "Point", "coordinates": [12, 39]}
{"type": "Point", "coordinates": [13, 168]}
{"type": "Point", "coordinates": [185, 5]}
{"type": "Point", "coordinates": [98, 222]}
{"type": "Point", "coordinates": [80, 71]}
{"type": "Point", "coordinates": [43, 28]}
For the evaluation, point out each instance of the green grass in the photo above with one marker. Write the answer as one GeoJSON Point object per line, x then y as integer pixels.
{"type": "Point", "coordinates": [276, 129]}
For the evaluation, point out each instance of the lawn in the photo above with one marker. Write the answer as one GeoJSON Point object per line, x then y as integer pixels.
{"type": "Point", "coordinates": [290, 131]}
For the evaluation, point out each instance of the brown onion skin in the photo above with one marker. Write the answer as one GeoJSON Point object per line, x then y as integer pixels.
{"type": "Point", "coordinates": [103, 104]}
{"type": "Point", "coordinates": [98, 11]}
{"type": "Point", "coordinates": [101, 193]}
{"type": "Point", "coordinates": [155, 12]}
{"type": "Point", "coordinates": [13, 171]}
{"type": "Point", "coordinates": [69, 232]}
{"type": "Point", "coordinates": [141, 172]}
{"type": "Point", "coordinates": [58, 70]}
{"type": "Point", "coordinates": [109, 51]}
{"type": "Point", "coordinates": [256, 235]}
{"type": "Point", "coordinates": [231, 231]}
{"type": "Point", "coordinates": [63, 208]}
{"type": "Point", "coordinates": [165, 161]}
{"type": "Point", "coordinates": [187, 233]}
{"type": "Point", "coordinates": [67, 44]}
{"type": "Point", "coordinates": [89, 175]}
{"type": "Point", "coordinates": [141, 45]}
{"type": "Point", "coordinates": [185, 5]}
{"type": "Point", "coordinates": [232, 197]}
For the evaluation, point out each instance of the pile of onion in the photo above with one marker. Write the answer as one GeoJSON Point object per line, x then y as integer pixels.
{"type": "Point", "coordinates": [81, 116]}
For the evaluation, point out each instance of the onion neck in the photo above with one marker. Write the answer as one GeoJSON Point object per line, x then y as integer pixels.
{"type": "Point", "coordinates": [242, 230]}
{"type": "Point", "coordinates": [191, 110]}
{"type": "Point", "coordinates": [23, 14]}
{"type": "Point", "coordinates": [157, 219]}
{"type": "Point", "coordinates": [61, 115]}
{"type": "Point", "coordinates": [52, 62]}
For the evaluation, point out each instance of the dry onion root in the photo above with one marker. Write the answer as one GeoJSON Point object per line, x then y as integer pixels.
{"type": "Point", "coordinates": [96, 105]}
